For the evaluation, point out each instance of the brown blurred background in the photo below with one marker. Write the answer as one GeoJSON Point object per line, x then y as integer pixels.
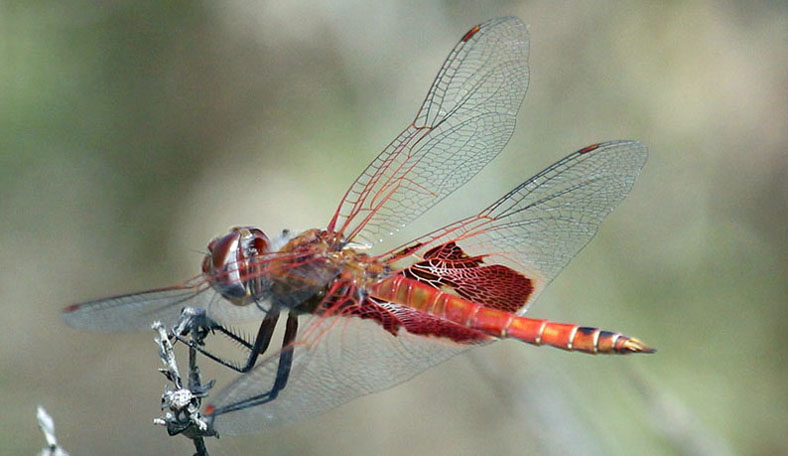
{"type": "Point", "coordinates": [133, 132]}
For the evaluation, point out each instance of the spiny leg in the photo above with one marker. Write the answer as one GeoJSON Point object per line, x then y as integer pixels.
{"type": "Point", "coordinates": [339, 297]}
{"type": "Point", "coordinates": [285, 356]}
{"type": "Point", "coordinates": [201, 326]}
{"type": "Point", "coordinates": [282, 373]}
{"type": "Point", "coordinates": [263, 339]}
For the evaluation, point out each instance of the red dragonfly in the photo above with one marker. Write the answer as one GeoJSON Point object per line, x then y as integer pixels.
{"type": "Point", "coordinates": [357, 322]}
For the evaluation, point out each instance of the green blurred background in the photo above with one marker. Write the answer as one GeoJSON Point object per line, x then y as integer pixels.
{"type": "Point", "coordinates": [133, 132]}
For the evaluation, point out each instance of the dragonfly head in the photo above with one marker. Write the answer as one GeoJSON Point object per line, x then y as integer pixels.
{"type": "Point", "coordinates": [232, 265]}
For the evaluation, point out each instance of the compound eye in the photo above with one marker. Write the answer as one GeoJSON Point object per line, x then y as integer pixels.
{"type": "Point", "coordinates": [212, 244]}
{"type": "Point", "coordinates": [260, 245]}
{"type": "Point", "coordinates": [258, 241]}
{"type": "Point", "coordinates": [223, 250]}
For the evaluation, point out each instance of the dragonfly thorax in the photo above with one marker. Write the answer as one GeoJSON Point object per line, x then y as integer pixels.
{"type": "Point", "coordinates": [232, 265]}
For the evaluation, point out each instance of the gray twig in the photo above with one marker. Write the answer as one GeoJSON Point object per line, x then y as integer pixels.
{"type": "Point", "coordinates": [47, 425]}
{"type": "Point", "coordinates": [182, 404]}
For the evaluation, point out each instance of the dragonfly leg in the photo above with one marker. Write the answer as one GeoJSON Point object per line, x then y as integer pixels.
{"type": "Point", "coordinates": [285, 356]}
{"type": "Point", "coordinates": [263, 339]}
{"type": "Point", "coordinates": [202, 325]}
{"type": "Point", "coordinates": [282, 373]}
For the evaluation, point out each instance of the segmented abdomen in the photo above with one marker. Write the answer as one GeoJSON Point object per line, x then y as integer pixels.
{"type": "Point", "coordinates": [499, 323]}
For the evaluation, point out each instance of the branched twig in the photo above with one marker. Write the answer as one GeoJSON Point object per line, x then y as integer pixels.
{"type": "Point", "coordinates": [183, 403]}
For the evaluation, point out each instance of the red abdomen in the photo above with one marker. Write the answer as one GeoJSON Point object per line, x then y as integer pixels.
{"type": "Point", "coordinates": [500, 323]}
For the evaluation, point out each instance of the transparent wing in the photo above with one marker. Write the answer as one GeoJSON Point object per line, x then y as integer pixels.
{"type": "Point", "coordinates": [137, 311]}
{"type": "Point", "coordinates": [336, 359]}
{"type": "Point", "coordinates": [538, 227]}
{"type": "Point", "coordinates": [466, 119]}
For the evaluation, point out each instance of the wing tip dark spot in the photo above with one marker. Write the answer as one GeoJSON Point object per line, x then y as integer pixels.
{"type": "Point", "coordinates": [587, 149]}
{"type": "Point", "coordinates": [470, 33]}
{"type": "Point", "coordinates": [71, 308]}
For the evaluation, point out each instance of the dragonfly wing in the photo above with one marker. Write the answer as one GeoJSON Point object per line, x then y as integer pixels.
{"type": "Point", "coordinates": [466, 119]}
{"type": "Point", "coordinates": [538, 227]}
{"type": "Point", "coordinates": [137, 311]}
{"type": "Point", "coordinates": [339, 358]}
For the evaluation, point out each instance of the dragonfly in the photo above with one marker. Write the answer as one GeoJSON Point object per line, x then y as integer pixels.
{"type": "Point", "coordinates": [359, 322]}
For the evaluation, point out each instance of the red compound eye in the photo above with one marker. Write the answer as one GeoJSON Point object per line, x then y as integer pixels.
{"type": "Point", "coordinates": [254, 238]}
{"type": "Point", "coordinates": [224, 250]}
{"type": "Point", "coordinates": [212, 244]}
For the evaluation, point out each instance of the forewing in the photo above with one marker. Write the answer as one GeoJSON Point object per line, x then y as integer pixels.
{"type": "Point", "coordinates": [466, 119]}
{"type": "Point", "coordinates": [339, 358]}
{"type": "Point", "coordinates": [137, 311]}
{"type": "Point", "coordinates": [538, 227]}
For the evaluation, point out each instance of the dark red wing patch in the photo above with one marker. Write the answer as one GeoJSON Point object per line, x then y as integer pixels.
{"type": "Point", "coordinates": [452, 252]}
{"type": "Point", "coordinates": [406, 251]}
{"type": "Point", "coordinates": [495, 286]}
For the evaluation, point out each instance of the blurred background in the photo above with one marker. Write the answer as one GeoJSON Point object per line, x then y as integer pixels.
{"type": "Point", "coordinates": [131, 133]}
